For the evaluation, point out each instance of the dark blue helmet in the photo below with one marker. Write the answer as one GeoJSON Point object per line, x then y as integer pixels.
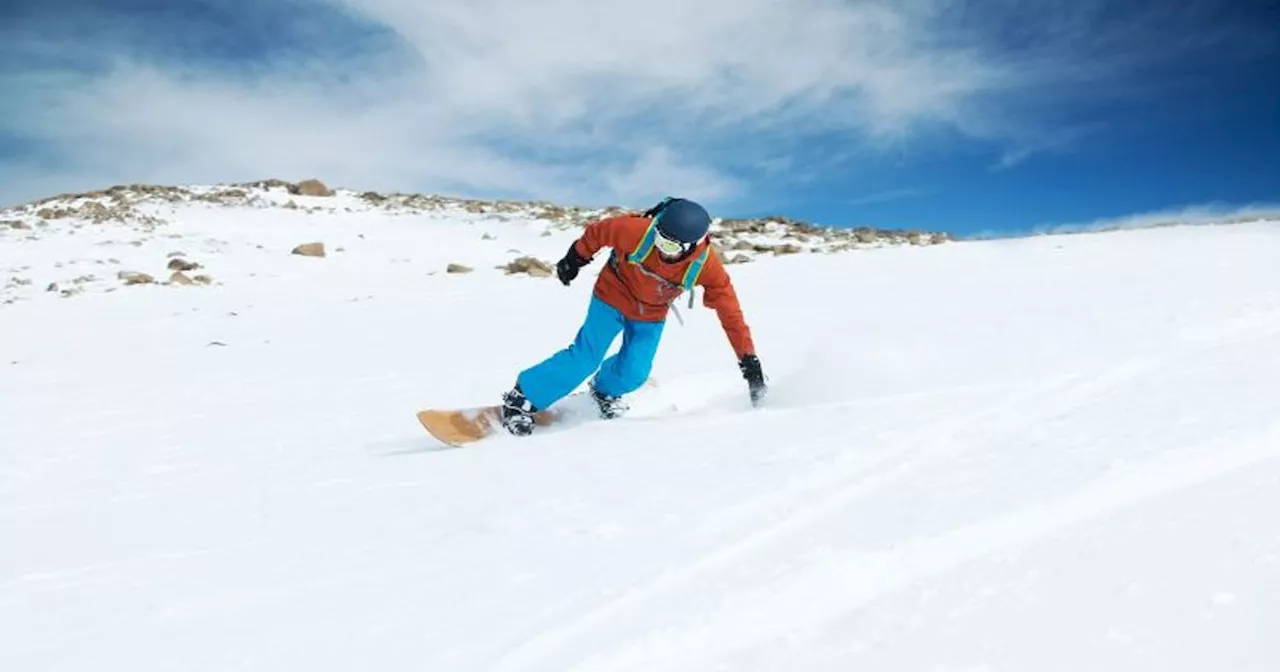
{"type": "Point", "coordinates": [681, 219]}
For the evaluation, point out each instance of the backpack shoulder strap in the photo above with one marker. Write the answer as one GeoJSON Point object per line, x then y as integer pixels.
{"type": "Point", "coordinates": [695, 269]}
{"type": "Point", "coordinates": [645, 246]}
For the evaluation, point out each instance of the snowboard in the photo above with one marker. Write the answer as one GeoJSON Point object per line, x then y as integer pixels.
{"type": "Point", "coordinates": [460, 426]}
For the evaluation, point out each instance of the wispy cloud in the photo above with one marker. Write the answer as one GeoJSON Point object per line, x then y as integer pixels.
{"type": "Point", "coordinates": [1187, 215]}
{"type": "Point", "coordinates": [1206, 213]}
{"type": "Point", "coordinates": [595, 102]}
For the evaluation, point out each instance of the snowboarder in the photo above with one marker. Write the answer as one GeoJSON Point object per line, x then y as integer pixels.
{"type": "Point", "coordinates": [656, 256]}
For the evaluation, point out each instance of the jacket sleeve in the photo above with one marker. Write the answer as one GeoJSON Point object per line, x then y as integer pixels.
{"type": "Point", "coordinates": [719, 295]}
{"type": "Point", "coordinates": [607, 232]}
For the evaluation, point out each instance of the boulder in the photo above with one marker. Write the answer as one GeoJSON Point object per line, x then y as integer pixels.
{"type": "Point", "coordinates": [315, 249]}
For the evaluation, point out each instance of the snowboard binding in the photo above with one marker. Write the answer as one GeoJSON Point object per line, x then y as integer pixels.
{"type": "Point", "coordinates": [517, 412]}
{"type": "Point", "coordinates": [610, 407]}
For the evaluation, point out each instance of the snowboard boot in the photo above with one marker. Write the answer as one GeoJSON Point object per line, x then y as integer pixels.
{"type": "Point", "coordinates": [517, 412]}
{"type": "Point", "coordinates": [610, 406]}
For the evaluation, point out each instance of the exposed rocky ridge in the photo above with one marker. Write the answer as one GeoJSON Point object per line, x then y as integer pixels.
{"type": "Point", "coordinates": [122, 203]}
{"type": "Point", "coordinates": [138, 235]}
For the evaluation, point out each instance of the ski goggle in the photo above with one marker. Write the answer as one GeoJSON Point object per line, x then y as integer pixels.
{"type": "Point", "coordinates": [669, 246]}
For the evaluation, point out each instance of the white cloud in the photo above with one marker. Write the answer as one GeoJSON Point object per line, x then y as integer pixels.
{"type": "Point", "coordinates": [573, 99]}
{"type": "Point", "coordinates": [1198, 214]}
{"type": "Point", "coordinates": [658, 172]}
{"type": "Point", "coordinates": [582, 100]}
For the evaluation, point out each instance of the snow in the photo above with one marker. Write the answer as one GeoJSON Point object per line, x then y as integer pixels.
{"type": "Point", "coordinates": [1051, 453]}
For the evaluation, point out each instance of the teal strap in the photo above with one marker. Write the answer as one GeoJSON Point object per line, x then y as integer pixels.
{"type": "Point", "coordinates": [695, 269]}
{"type": "Point", "coordinates": [645, 245]}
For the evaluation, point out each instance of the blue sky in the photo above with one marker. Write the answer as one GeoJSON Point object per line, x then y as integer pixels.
{"type": "Point", "coordinates": [974, 117]}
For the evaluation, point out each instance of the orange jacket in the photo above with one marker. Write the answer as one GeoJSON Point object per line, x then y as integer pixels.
{"type": "Point", "coordinates": [642, 297]}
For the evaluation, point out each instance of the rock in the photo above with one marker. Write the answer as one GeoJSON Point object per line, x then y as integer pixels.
{"type": "Point", "coordinates": [96, 212]}
{"type": "Point", "coordinates": [135, 278]}
{"type": "Point", "coordinates": [180, 278]}
{"type": "Point", "coordinates": [743, 225]}
{"type": "Point", "coordinates": [311, 187]}
{"type": "Point", "coordinates": [530, 265]}
{"type": "Point", "coordinates": [179, 264]}
{"type": "Point", "coordinates": [310, 249]}
{"type": "Point", "coordinates": [272, 183]}
{"type": "Point", "coordinates": [865, 234]}
{"type": "Point", "coordinates": [202, 280]}
{"type": "Point", "coordinates": [457, 268]}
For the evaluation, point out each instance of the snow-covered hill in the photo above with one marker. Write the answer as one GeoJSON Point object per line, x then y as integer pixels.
{"type": "Point", "coordinates": [128, 235]}
{"type": "Point", "coordinates": [1053, 453]}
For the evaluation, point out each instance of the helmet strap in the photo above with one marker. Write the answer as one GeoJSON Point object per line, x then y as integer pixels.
{"type": "Point", "coordinates": [657, 209]}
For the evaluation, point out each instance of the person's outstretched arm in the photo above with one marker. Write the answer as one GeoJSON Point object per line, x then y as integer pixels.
{"type": "Point", "coordinates": [720, 295]}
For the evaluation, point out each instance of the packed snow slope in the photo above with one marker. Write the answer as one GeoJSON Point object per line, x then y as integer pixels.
{"type": "Point", "coordinates": [1054, 453]}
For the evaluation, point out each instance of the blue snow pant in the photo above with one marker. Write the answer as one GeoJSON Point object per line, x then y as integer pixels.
{"type": "Point", "coordinates": [558, 375]}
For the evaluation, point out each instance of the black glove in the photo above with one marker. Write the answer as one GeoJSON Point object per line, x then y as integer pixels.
{"type": "Point", "coordinates": [567, 267]}
{"type": "Point", "coordinates": [750, 367]}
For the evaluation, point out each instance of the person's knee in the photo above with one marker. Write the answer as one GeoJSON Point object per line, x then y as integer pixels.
{"type": "Point", "coordinates": [634, 375]}
{"type": "Point", "coordinates": [635, 367]}
{"type": "Point", "coordinates": [597, 333]}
